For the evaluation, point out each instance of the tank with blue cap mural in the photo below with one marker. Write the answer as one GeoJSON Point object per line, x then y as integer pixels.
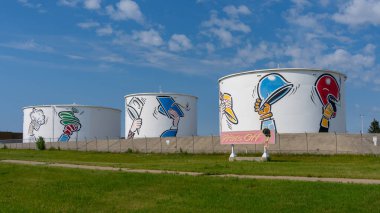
{"type": "Point", "coordinates": [283, 100]}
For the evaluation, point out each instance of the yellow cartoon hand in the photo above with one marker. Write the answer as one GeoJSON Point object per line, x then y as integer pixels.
{"type": "Point", "coordinates": [328, 111]}
{"type": "Point", "coordinates": [265, 112]}
{"type": "Point", "coordinates": [257, 104]}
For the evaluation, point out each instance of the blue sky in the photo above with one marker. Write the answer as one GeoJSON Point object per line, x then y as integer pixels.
{"type": "Point", "coordinates": [94, 52]}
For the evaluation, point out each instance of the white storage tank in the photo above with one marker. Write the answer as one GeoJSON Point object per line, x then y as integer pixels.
{"type": "Point", "coordinates": [63, 123]}
{"type": "Point", "coordinates": [288, 100]}
{"type": "Point", "coordinates": [160, 115]}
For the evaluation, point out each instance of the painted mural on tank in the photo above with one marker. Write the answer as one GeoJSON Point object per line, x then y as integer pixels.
{"type": "Point", "coordinates": [37, 119]}
{"type": "Point", "coordinates": [227, 110]}
{"type": "Point", "coordinates": [146, 113]}
{"type": "Point", "coordinates": [270, 89]}
{"type": "Point", "coordinates": [290, 100]}
{"type": "Point", "coordinates": [71, 124]}
{"type": "Point", "coordinates": [172, 110]}
{"type": "Point", "coordinates": [134, 109]}
{"type": "Point", "coordinates": [328, 92]}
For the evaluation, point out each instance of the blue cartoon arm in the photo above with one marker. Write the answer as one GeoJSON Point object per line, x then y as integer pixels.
{"type": "Point", "coordinates": [172, 132]}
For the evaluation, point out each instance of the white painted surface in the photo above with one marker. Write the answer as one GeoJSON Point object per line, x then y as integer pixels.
{"type": "Point", "coordinates": [86, 122]}
{"type": "Point", "coordinates": [300, 110]}
{"type": "Point", "coordinates": [154, 123]}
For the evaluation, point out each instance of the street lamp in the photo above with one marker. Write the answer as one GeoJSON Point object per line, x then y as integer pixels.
{"type": "Point", "coordinates": [361, 117]}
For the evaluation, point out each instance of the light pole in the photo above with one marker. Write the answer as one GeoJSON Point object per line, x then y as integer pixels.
{"type": "Point", "coordinates": [361, 117]}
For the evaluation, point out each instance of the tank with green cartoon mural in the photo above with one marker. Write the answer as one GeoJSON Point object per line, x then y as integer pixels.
{"type": "Point", "coordinates": [63, 123]}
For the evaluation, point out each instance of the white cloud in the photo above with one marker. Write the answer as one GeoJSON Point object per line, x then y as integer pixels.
{"type": "Point", "coordinates": [375, 109]}
{"type": "Point", "coordinates": [87, 4]}
{"type": "Point", "coordinates": [28, 45]}
{"type": "Point", "coordinates": [37, 6]}
{"type": "Point", "coordinates": [317, 54]}
{"type": "Point", "coordinates": [26, 3]}
{"type": "Point", "coordinates": [209, 47]}
{"type": "Point", "coordinates": [249, 55]}
{"type": "Point", "coordinates": [175, 63]}
{"type": "Point", "coordinates": [245, 58]}
{"type": "Point", "coordinates": [236, 11]}
{"type": "Point", "coordinates": [231, 24]}
{"type": "Point", "coordinates": [369, 49]}
{"type": "Point", "coordinates": [300, 4]}
{"type": "Point", "coordinates": [346, 60]}
{"type": "Point", "coordinates": [149, 38]}
{"type": "Point", "coordinates": [225, 28]}
{"type": "Point", "coordinates": [113, 58]}
{"type": "Point", "coordinates": [308, 20]}
{"type": "Point", "coordinates": [75, 57]}
{"type": "Point", "coordinates": [377, 81]}
{"type": "Point", "coordinates": [92, 4]}
{"type": "Point", "coordinates": [103, 31]}
{"type": "Point", "coordinates": [360, 65]}
{"type": "Point", "coordinates": [324, 3]}
{"type": "Point", "coordinates": [88, 24]}
{"type": "Point", "coordinates": [179, 42]}
{"type": "Point", "coordinates": [311, 26]}
{"type": "Point", "coordinates": [154, 55]}
{"type": "Point", "coordinates": [124, 10]}
{"type": "Point", "coordinates": [357, 12]}
{"type": "Point", "coordinates": [224, 35]}
{"type": "Point", "coordinates": [69, 3]}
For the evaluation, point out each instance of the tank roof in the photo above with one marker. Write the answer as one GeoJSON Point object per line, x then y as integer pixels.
{"type": "Point", "coordinates": [71, 105]}
{"type": "Point", "coordinates": [280, 70]}
{"type": "Point", "coordinates": [157, 93]}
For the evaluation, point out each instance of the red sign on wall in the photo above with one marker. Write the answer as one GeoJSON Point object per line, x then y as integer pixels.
{"type": "Point", "coordinates": [246, 137]}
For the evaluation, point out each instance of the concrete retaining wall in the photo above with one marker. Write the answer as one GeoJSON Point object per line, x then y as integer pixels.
{"type": "Point", "coordinates": [314, 143]}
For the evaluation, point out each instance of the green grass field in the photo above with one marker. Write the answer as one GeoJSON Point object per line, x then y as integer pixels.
{"type": "Point", "coordinates": [46, 189]}
{"type": "Point", "coordinates": [342, 166]}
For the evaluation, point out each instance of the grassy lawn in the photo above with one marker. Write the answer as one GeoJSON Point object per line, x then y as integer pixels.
{"type": "Point", "coordinates": [47, 189]}
{"type": "Point", "coordinates": [346, 166]}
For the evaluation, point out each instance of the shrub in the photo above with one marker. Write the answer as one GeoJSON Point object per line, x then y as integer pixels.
{"type": "Point", "coordinates": [40, 143]}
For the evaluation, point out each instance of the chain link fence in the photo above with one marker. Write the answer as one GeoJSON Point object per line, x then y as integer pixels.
{"type": "Point", "coordinates": [313, 143]}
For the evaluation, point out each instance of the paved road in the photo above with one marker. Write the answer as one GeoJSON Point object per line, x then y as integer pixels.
{"type": "Point", "coordinates": [107, 168]}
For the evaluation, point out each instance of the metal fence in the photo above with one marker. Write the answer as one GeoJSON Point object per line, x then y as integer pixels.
{"type": "Point", "coordinates": [11, 141]}
{"type": "Point", "coordinates": [314, 143]}
{"type": "Point", "coordinates": [29, 140]}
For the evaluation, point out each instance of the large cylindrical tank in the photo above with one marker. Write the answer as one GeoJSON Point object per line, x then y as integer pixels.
{"type": "Point", "coordinates": [160, 115]}
{"type": "Point", "coordinates": [65, 123]}
{"type": "Point", "coordinates": [288, 100]}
